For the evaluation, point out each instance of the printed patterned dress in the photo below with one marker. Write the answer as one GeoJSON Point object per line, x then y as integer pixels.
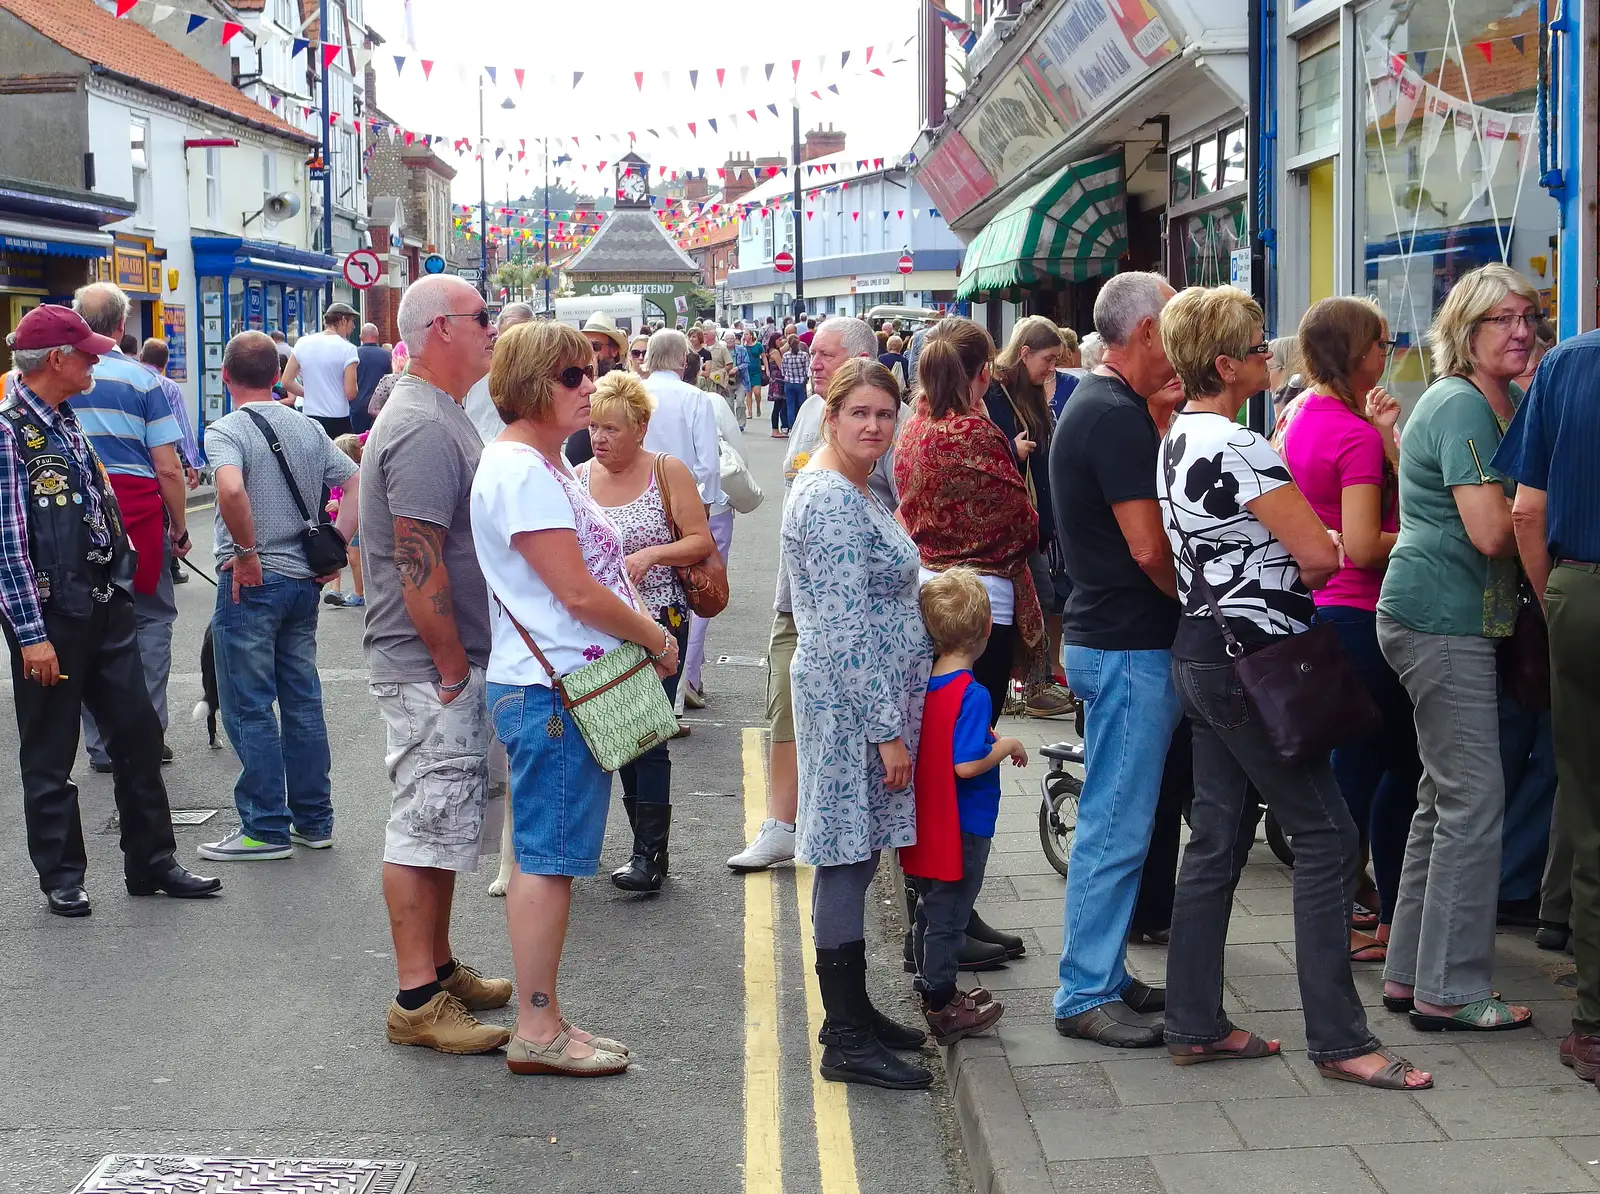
{"type": "Point", "coordinates": [643, 523]}
{"type": "Point", "coordinates": [860, 669]}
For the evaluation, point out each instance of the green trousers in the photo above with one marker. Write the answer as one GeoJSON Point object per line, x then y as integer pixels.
{"type": "Point", "coordinates": [1572, 603]}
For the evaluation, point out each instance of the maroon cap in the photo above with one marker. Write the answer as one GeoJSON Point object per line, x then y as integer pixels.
{"type": "Point", "coordinates": [51, 326]}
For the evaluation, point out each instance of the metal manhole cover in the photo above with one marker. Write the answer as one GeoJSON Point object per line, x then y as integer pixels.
{"type": "Point", "coordinates": [192, 816]}
{"type": "Point", "coordinates": [742, 660]}
{"type": "Point", "coordinates": [126, 1173]}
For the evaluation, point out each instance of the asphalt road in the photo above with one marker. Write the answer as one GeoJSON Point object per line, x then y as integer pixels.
{"type": "Point", "coordinates": [253, 1024]}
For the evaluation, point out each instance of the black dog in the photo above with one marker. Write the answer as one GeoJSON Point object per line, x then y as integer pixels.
{"type": "Point", "coordinates": [206, 710]}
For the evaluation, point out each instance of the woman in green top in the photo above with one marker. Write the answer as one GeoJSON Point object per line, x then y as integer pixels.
{"type": "Point", "coordinates": [1449, 596]}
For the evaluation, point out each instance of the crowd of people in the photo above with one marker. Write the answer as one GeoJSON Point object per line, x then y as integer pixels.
{"type": "Point", "coordinates": [1055, 526]}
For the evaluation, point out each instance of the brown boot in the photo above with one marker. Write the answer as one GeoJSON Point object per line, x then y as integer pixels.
{"type": "Point", "coordinates": [961, 1018]}
{"type": "Point", "coordinates": [443, 1024]}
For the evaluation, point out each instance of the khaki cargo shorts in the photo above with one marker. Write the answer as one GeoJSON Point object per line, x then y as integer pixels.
{"type": "Point", "coordinates": [449, 776]}
{"type": "Point", "coordinates": [780, 654]}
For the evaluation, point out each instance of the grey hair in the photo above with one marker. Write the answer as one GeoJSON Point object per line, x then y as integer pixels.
{"type": "Point", "coordinates": [103, 306]}
{"type": "Point", "coordinates": [855, 336]}
{"type": "Point", "coordinates": [1090, 349]}
{"type": "Point", "coordinates": [512, 314]}
{"type": "Point", "coordinates": [31, 360]}
{"type": "Point", "coordinates": [668, 350]}
{"type": "Point", "coordinates": [423, 302]}
{"type": "Point", "coordinates": [1125, 302]}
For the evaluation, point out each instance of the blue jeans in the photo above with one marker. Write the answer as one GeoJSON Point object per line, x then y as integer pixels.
{"type": "Point", "coordinates": [1528, 757]}
{"type": "Point", "coordinates": [794, 397]}
{"type": "Point", "coordinates": [1130, 711]}
{"type": "Point", "coordinates": [1378, 775]}
{"type": "Point", "coordinates": [266, 652]}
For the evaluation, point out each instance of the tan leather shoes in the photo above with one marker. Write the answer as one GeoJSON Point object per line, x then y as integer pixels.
{"type": "Point", "coordinates": [528, 1057]}
{"type": "Point", "coordinates": [444, 1024]}
{"type": "Point", "coordinates": [477, 994]}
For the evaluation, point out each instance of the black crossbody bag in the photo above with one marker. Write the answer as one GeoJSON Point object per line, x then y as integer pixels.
{"type": "Point", "coordinates": [1302, 690]}
{"type": "Point", "coordinates": [321, 541]}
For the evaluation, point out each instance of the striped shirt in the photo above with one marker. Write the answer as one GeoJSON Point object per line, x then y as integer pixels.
{"type": "Point", "coordinates": [126, 415]}
{"type": "Point", "coordinates": [797, 367]}
{"type": "Point", "coordinates": [19, 593]}
{"type": "Point", "coordinates": [189, 446]}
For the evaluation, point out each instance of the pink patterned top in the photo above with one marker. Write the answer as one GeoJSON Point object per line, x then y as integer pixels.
{"type": "Point", "coordinates": [643, 523]}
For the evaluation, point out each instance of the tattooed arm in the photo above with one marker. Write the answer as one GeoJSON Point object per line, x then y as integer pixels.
{"type": "Point", "coordinates": [425, 586]}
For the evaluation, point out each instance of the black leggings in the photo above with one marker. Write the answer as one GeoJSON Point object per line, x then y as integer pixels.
{"type": "Point", "coordinates": [992, 669]}
{"type": "Point", "coordinates": [839, 902]}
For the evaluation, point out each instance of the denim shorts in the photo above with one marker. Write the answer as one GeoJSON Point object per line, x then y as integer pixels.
{"type": "Point", "coordinates": [559, 794]}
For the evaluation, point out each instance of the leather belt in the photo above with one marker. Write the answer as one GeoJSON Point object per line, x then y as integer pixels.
{"type": "Point", "coordinates": [1584, 565]}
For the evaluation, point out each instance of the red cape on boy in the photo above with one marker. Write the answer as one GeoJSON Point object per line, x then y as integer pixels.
{"type": "Point", "coordinates": [937, 852]}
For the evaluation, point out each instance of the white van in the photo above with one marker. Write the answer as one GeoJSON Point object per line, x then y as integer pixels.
{"type": "Point", "coordinates": [624, 310]}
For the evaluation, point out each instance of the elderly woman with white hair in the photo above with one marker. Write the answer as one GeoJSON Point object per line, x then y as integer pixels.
{"type": "Point", "coordinates": [1449, 599]}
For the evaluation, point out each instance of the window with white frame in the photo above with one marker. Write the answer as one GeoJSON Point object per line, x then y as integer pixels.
{"type": "Point", "coordinates": [212, 166]}
{"type": "Point", "coordinates": [1317, 91]}
{"type": "Point", "coordinates": [139, 151]}
{"type": "Point", "coordinates": [269, 175]}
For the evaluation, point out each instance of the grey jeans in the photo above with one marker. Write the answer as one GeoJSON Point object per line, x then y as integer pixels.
{"type": "Point", "coordinates": [1442, 939]}
{"type": "Point", "coordinates": [154, 615]}
{"type": "Point", "coordinates": [940, 928]}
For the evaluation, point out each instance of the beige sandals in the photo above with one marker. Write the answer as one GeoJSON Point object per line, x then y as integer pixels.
{"type": "Point", "coordinates": [529, 1057]}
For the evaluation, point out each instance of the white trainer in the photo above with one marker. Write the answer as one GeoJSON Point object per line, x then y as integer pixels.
{"type": "Point", "coordinates": [774, 844]}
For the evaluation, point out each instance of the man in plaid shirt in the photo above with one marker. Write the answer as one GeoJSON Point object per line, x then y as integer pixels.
{"type": "Point", "coordinates": [66, 577]}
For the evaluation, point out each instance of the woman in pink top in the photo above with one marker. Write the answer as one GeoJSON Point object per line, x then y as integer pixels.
{"type": "Point", "coordinates": [1341, 450]}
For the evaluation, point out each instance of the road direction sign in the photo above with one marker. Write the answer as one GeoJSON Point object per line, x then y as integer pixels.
{"type": "Point", "coordinates": [783, 262]}
{"type": "Point", "coordinates": [362, 269]}
{"type": "Point", "coordinates": [905, 263]}
{"type": "Point", "coordinates": [433, 263]}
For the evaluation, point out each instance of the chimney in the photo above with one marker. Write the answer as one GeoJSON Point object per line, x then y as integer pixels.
{"type": "Point", "coordinates": [696, 188]}
{"type": "Point", "coordinates": [821, 142]}
{"type": "Point", "coordinates": [738, 177]}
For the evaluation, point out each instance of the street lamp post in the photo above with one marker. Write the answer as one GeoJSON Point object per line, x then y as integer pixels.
{"type": "Point", "coordinates": [483, 202]}
{"type": "Point", "coordinates": [327, 143]}
{"type": "Point", "coordinates": [799, 224]}
{"type": "Point", "coordinates": [547, 227]}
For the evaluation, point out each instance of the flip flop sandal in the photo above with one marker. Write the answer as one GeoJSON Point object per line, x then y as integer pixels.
{"type": "Point", "coordinates": [1254, 1047]}
{"type": "Point", "coordinates": [528, 1057]}
{"type": "Point", "coordinates": [1405, 1003]}
{"type": "Point", "coordinates": [603, 1044]}
{"type": "Point", "coordinates": [1364, 953]}
{"type": "Point", "coordinates": [1391, 1077]}
{"type": "Point", "coordinates": [1482, 1015]}
{"type": "Point", "coordinates": [1363, 919]}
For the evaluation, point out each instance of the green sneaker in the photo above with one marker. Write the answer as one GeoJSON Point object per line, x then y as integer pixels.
{"type": "Point", "coordinates": [237, 846]}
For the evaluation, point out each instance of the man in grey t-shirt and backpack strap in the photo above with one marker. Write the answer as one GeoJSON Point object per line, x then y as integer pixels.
{"type": "Point", "coordinates": [427, 644]}
{"type": "Point", "coordinates": [264, 627]}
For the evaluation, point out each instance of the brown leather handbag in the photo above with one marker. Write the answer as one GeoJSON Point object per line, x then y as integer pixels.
{"type": "Point", "coordinates": [706, 581]}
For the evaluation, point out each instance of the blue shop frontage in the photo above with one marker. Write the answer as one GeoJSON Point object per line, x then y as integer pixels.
{"type": "Point", "coordinates": [252, 285]}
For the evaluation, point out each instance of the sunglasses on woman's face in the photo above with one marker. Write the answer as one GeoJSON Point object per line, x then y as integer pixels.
{"type": "Point", "coordinates": [1259, 350]}
{"type": "Point", "coordinates": [636, 353]}
{"type": "Point", "coordinates": [572, 376]}
{"type": "Point", "coordinates": [480, 316]}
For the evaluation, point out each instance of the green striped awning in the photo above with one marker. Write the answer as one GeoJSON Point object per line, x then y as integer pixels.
{"type": "Point", "coordinates": [1069, 228]}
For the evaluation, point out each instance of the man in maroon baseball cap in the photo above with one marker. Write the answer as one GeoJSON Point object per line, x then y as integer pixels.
{"type": "Point", "coordinates": [66, 608]}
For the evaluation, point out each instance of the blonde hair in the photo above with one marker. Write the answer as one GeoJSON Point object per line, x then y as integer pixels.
{"type": "Point", "coordinates": [1470, 299]}
{"type": "Point", "coordinates": [1200, 325]}
{"type": "Point", "coordinates": [955, 609]}
{"type": "Point", "coordinates": [622, 393]}
{"type": "Point", "coordinates": [350, 444]}
{"type": "Point", "coordinates": [527, 359]}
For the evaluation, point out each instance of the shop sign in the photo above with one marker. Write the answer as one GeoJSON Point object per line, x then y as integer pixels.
{"type": "Point", "coordinates": [1012, 127]}
{"type": "Point", "coordinates": [291, 308]}
{"type": "Point", "coordinates": [631, 288]}
{"type": "Point", "coordinates": [132, 272]}
{"type": "Point", "coordinates": [21, 271]}
{"type": "Point", "coordinates": [176, 319]}
{"type": "Point", "coordinates": [871, 283]}
{"type": "Point", "coordinates": [955, 177]}
{"type": "Point", "coordinates": [1093, 51]}
{"type": "Point", "coordinates": [254, 307]}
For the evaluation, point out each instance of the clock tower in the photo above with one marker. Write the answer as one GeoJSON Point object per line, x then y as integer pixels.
{"type": "Point", "coordinates": [633, 182]}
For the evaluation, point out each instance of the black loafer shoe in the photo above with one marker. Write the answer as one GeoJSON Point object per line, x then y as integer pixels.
{"type": "Point", "coordinates": [975, 955]}
{"type": "Point", "coordinates": [1114, 1025]}
{"type": "Point", "coordinates": [1551, 935]}
{"type": "Point", "coordinates": [175, 882]}
{"type": "Point", "coordinates": [69, 901]}
{"type": "Point", "coordinates": [1144, 999]}
{"type": "Point", "coordinates": [978, 930]}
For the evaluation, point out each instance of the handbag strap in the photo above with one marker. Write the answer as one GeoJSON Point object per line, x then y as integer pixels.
{"type": "Point", "coordinates": [659, 468]}
{"type": "Point", "coordinates": [1230, 641]}
{"type": "Point", "coordinates": [532, 646]}
{"type": "Point", "coordinates": [283, 464]}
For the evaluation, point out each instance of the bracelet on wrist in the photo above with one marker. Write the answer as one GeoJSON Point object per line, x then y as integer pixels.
{"type": "Point", "coordinates": [666, 645]}
{"type": "Point", "coordinates": [457, 686]}
{"type": "Point", "coordinates": [240, 552]}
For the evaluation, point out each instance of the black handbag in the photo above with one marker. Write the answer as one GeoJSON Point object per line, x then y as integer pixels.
{"type": "Point", "coordinates": [324, 546]}
{"type": "Point", "coordinates": [1524, 658]}
{"type": "Point", "coordinates": [1302, 690]}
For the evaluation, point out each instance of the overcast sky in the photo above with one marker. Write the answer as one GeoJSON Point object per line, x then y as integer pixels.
{"type": "Point", "coordinates": [608, 40]}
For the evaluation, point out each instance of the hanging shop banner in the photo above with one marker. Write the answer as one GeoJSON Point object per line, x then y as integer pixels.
{"type": "Point", "coordinates": [1012, 127]}
{"type": "Point", "coordinates": [176, 321]}
{"type": "Point", "coordinates": [955, 177]}
{"type": "Point", "coordinates": [1094, 51]}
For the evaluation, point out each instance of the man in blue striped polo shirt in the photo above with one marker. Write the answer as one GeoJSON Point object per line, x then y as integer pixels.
{"type": "Point", "coordinates": [130, 423]}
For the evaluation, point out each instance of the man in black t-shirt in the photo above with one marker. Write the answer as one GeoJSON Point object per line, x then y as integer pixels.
{"type": "Point", "coordinates": [374, 362]}
{"type": "Point", "coordinates": [1117, 627]}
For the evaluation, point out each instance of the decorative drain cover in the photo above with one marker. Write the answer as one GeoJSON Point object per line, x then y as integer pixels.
{"type": "Point", "coordinates": [742, 660]}
{"type": "Point", "coordinates": [131, 1174]}
{"type": "Point", "coordinates": [192, 816]}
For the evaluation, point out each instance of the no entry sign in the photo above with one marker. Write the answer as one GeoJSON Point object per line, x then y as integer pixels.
{"type": "Point", "coordinates": [783, 262]}
{"type": "Point", "coordinates": [905, 263]}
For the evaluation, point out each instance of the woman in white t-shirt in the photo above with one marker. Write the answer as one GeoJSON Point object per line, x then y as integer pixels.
{"type": "Point", "coordinates": [1245, 538]}
{"type": "Point", "coordinates": [556, 568]}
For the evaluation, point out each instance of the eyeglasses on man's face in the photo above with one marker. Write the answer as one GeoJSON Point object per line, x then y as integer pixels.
{"type": "Point", "coordinates": [480, 317]}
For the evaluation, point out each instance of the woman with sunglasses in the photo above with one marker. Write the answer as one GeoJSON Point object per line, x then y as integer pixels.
{"type": "Point", "coordinates": [1341, 449]}
{"type": "Point", "coordinates": [1449, 597]}
{"type": "Point", "coordinates": [636, 349]}
{"type": "Point", "coordinates": [558, 572]}
{"type": "Point", "coordinates": [1249, 550]}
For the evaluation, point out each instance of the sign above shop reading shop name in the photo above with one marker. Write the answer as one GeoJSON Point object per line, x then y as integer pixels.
{"type": "Point", "coordinates": [954, 176]}
{"type": "Point", "coordinates": [1012, 126]}
{"type": "Point", "coordinates": [631, 288]}
{"type": "Point", "coordinates": [1093, 51]}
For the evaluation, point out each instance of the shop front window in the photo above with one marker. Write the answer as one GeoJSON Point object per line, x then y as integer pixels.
{"type": "Point", "coordinates": [1205, 168]}
{"type": "Point", "coordinates": [1182, 168]}
{"type": "Point", "coordinates": [1208, 238]}
{"type": "Point", "coordinates": [1318, 86]}
{"type": "Point", "coordinates": [1445, 105]}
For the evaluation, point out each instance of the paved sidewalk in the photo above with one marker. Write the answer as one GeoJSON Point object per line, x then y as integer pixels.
{"type": "Point", "coordinates": [1041, 1113]}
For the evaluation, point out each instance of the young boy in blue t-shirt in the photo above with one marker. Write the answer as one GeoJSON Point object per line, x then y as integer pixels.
{"type": "Point", "coordinates": [958, 801]}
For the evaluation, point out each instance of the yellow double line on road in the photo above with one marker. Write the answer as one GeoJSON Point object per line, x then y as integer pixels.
{"type": "Point", "coordinates": [836, 1154]}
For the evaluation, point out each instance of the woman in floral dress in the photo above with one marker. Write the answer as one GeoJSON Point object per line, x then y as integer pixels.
{"type": "Point", "coordinates": [859, 676]}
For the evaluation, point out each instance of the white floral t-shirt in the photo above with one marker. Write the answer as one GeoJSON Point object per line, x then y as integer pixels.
{"type": "Point", "coordinates": [517, 490]}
